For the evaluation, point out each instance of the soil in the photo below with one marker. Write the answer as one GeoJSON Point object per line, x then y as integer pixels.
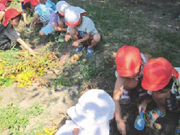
{"type": "Point", "coordinates": [161, 13]}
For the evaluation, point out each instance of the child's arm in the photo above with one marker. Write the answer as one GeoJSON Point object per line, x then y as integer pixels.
{"type": "Point", "coordinates": [23, 44]}
{"type": "Point", "coordinates": [87, 37]}
{"type": "Point", "coordinates": [58, 28]}
{"type": "Point", "coordinates": [36, 17]}
{"type": "Point", "coordinates": [1, 15]}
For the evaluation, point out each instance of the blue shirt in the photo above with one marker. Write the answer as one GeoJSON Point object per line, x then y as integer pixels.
{"type": "Point", "coordinates": [50, 4]}
{"type": "Point", "coordinates": [43, 12]}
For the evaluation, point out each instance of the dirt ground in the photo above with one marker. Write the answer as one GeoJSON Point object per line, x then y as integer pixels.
{"type": "Point", "coordinates": [158, 13]}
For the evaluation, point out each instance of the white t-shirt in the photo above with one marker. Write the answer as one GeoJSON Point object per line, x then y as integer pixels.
{"type": "Point", "coordinates": [86, 26]}
{"type": "Point", "coordinates": [68, 128]}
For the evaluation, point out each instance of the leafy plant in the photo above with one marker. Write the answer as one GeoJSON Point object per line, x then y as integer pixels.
{"type": "Point", "coordinates": [15, 120]}
{"type": "Point", "coordinates": [22, 68]}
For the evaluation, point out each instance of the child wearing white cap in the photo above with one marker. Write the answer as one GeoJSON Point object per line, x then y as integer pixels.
{"type": "Point", "coordinates": [90, 116]}
{"type": "Point", "coordinates": [57, 22]}
{"type": "Point", "coordinates": [82, 30]}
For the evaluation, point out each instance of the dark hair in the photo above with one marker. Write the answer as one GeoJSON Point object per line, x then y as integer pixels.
{"type": "Point", "coordinates": [169, 85]}
{"type": "Point", "coordinates": [27, 5]}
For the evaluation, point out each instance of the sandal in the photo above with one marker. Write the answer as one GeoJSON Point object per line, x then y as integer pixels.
{"type": "Point", "coordinates": [177, 130]}
{"type": "Point", "coordinates": [150, 121]}
{"type": "Point", "coordinates": [79, 49]}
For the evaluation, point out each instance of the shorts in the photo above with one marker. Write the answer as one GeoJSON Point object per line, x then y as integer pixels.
{"type": "Point", "coordinates": [172, 104]}
{"type": "Point", "coordinates": [82, 34]}
{"type": "Point", "coordinates": [47, 30]}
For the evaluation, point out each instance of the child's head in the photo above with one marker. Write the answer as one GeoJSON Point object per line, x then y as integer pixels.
{"type": "Point", "coordinates": [128, 61]}
{"type": "Point", "coordinates": [7, 3]}
{"type": "Point", "coordinates": [73, 16]}
{"type": "Point", "coordinates": [61, 6]}
{"type": "Point", "coordinates": [12, 16]}
{"type": "Point", "coordinates": [30, 5]}
{"type": "Point", "coordinates": [158, 75]}
{"type": "Point", "coordinates": [91, 115]}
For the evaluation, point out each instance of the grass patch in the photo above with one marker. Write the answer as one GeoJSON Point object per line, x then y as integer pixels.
{"type": "Point", "coordinates": [15, 120]}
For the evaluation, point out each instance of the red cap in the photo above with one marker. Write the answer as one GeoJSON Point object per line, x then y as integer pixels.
{"type": "Point", "coordinates": [33, 2]}
{"type": "Point", "coordinates": [4, 1]}
{"type": "Point", "coordinates": [9, 14]}
{"type": "Point", "coordinates": [73, 16]}
{"type": "Point", "coordinates": [128, 61]}
{"type": "Point", "coordinates": [157, 74]}
{"type": "Point", "coordinates": [2, 7]}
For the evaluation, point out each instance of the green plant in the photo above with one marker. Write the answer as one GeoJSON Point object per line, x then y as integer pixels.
{"type": "Point", "coordinates": [62, 81]}
{"type": "Point", "coordinates": [15, 119]}
{"type": "Point", "coordinates": [88, 70]}
{"type": "Point", "coordinates": [23, 68]}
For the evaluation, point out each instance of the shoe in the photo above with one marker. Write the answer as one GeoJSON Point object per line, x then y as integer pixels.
{"type": "Point", "coordinates": [90, 51]}
{"type": "Point", "coordinates": [79, 49]}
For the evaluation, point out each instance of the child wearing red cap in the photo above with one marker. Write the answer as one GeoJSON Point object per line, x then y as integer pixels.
{"type": "Point", "coordinates": [163, 80]}
{"type": "Point", "coordinates": [8, 34]}
{"type": "Point", "coordinates": [82, 30]}
{"type": "Point", "coordinates": [41, 11]}
{"type": "Point", "coordinates": [129, 62]}
{"type": "Point", "coordinates": [3, 7]}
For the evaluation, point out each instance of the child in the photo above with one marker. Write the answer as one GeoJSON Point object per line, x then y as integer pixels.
{"type": "Point", "coordinates": [42, 13]}
{"type": "Point", "coordinates": [57, 21]}
{"type": "Point", "coordinates": [90, 116]}
{"type": "Point", "coordinates": [23, 12]}
{"type": "Point", "coordinates": [82, 30]}
{"type": "Point", "coordinates": [3, 7]}
{"type": "Point", "coordinates": [48, 3]}
{"type": "Point", "coordinates": [129, 62]}
{"type": "Point", "coordinates": [163, 80]}
{"type": "Point", "coordinates": [8, 34]}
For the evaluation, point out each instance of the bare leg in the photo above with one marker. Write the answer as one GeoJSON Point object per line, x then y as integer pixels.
{"type": "Point", "coordinates": [1, 15]}
{"type": "Point", "coordinates": [96, 39]}
{"type": "Point", "coordinates": [24, 17]}
{"type": "Point", "coordinates": [74, 34]}
{"type": "Point", "coordinates": [41, 33]}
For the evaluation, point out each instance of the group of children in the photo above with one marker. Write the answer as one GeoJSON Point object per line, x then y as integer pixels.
{"type": "Point", "coordinates": [70, 20]}
{"type": "Point", "coordinates": [159, 81]}
{"type": "Point", "coordinates": [154, 79]}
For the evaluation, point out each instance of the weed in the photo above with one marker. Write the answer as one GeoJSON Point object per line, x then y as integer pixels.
{"type": "Point", "coordinates": [15, 120]}
{"type": "Point", "coordinates": [24, 68]}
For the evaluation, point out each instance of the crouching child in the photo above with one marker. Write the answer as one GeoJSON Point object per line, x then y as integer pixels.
{"type": "Point", "coordinates": [163, 81]}
{"type": "Point", "coordinates": [8, 34]}
{"type": "Point", "coordinates": [90, 116]}
{"type": "Point", "coordinates": [82, 30]}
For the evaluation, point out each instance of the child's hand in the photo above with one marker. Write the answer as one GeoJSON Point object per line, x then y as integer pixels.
{"type": "Point", "coordinates": [32, 25]}
{"type": "Point", "coordinates": [76, 43]}
{"type": "Point", "coordinates": [67, 37]}
{"type": "Point", "coordinates": [143, 106]}
{"type": "Point", "coordinates": [75, 131]}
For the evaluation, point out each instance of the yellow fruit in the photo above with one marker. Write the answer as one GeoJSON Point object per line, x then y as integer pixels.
{"type": "Point", "coordinates": [80, 54]}
{"type": "Point", "coordinates": [84, 60]}
{"type": "Point", "coordinates": [76, 57]}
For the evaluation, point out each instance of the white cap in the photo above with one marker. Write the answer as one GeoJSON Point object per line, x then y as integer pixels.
{"type": "Point", "coordinates": [72, 15]}
{"type": "Point", "coordinates": [94, 110]}
{"type": "Point", "coordinates": [61, 6]}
